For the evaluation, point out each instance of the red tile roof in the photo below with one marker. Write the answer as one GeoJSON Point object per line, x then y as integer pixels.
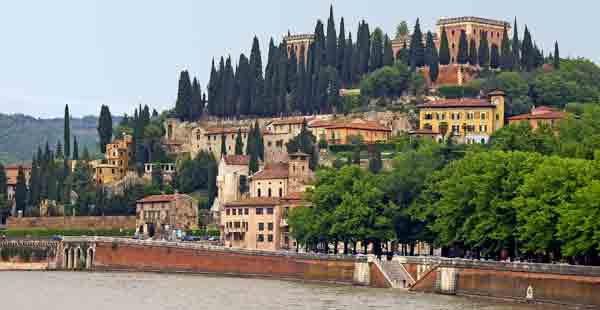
{"type": "Point", "coordinates": [255, 202]}
{"type": "Point", "coordinates": [359, 124]}
{"type": "Point", "coordinates": [542, 112]}
{"type": "Point", "coordinates": [237, 160]}
{"type": "Point", "coordinates": [16, 167]}
{"type": "Point", "coordinates": [273, 171]}
{"type": "Point", "coordinates": [224, 130]}
{"type": "Point", "coordinates": [295, 196]}
{"type": "Point", "coordinates": [458, 103]}
{"type": "Point", "coordinates": [290, 121]}
{"type": "Point", "coordinates": [321, 123]}
{"type": "Point", "coordinates": [162, 198]}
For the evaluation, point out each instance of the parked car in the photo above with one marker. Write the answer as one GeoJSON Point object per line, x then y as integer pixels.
{"type": "Point", "coordinates": [190, 238]}
{"type": "Point", "coordinates": [57, 238]}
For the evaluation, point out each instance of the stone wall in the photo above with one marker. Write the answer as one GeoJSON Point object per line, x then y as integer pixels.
{"type": "Point", "coordinates": [73, 222]}
{"type": "Point", "coordinates": [559, 284]}
{"type": "Point", "coordinates": [174, 257]}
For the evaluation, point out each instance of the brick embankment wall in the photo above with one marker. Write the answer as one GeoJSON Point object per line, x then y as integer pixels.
{"type": "Point", "coordinates": [557, 284]}
{"type": "Point", "coordinates": [377, 279]}
{"type": "Point", "coordinates": [131, 257]}
{"type": "Point", "coordinates": [73, 222]}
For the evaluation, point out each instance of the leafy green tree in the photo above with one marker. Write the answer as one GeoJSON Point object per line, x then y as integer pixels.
{"type": "Point", "coordinates": [67, 133]}
{"type": "Point", "coordinates": [105, 128]}
{"type": "Point", "coordinates": [157, 177]}
{"type": "Point", "coordinates": [305, 142]}
{"type": "Point", "coordinates": [402, 30]}
{"type": "Point", "coordinates": [521, 137]}
{"type": "Point", "coordinates": [386, 82]}
{"type": "Point", "coordinates": [444, 48]}
{"type": "Point", "coordinates": [375, 162]}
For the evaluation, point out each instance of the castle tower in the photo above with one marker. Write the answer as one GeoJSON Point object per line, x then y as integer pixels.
{"type": "Point", "coordinates": [299, 171]}
{"type": "Point", "coordinates": [498, 98]}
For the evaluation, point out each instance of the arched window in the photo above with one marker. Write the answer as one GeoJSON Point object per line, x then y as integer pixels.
{"type": "Point", "coordinates": [258, 193]}
{"type": "Point", "coordinates": [280, 192]}
{"type": "Point", "coordinates": [270, 192]}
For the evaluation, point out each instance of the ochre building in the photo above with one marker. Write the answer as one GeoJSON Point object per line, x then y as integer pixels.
{"type": "Point", "coordinates": [538, 116]}
{"type": "Point", "coordinates": [116, 165]}
{"type": "Point", "coordinates": [465, 120]}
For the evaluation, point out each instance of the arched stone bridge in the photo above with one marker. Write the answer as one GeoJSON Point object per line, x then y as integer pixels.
{"type": "Point", "coordinates": [76, 253]}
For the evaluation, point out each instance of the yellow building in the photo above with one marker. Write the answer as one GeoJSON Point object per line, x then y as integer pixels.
{"type": "Point", "coordinates": [116, 165]}
{"type": "Point", "coordinates": [466, 120]}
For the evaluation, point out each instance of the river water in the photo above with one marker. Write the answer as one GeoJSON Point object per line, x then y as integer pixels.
{"type": "Point", "coordinates": [147, 291]}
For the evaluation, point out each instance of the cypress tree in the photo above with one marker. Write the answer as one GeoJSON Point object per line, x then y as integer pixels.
{"type": "Point", "coordinates": [105, 128]}
{"type": "Point", "coordinates": [364, 47]}
{"type": "Point", "coordinates": [463, 49]}
{"type": "Point", "coordinates": [375, 163]}
{"type": "Point", "coordinates": [221, 93]}
{"type": "Point", "coordinates": [347, 67]}
{"type": "Point", "coordinates": [86, 154]}
{"type": "Point", "coordinates": [417, 50]}
{"type": "Point", "coordinates": [228, 90]}
{"type": "Point", "coordinates": [484, 51]}
{"type": "Point", "coordinates": [299, 93]}
{"type": "Point", "coordinates": [3, 181]}
{"type": "Point", "coordinates": [473, 56]}
{"type": "Point", "coordinates": [292, 71]}
{"type": "Point", "coordinates": [212, 89]}
{"type": "Point", "coordinates": [341, 48]}
{"type": "Point", "coordinates": [239, 144]}
{"type": "Point", "coordinates": [184, 96]}
{"type": "Point", "coordinates": [223, 145]}
{"type": "Point", "coordinates": [527, 52]}
{"type": "Point", "coordinates": [34, 180]}
{"type": "Point", "coordinates": [556, 57]}
{"type": "Point", "coordinates": [444, 48]}
{"type": "Point", "coordinates": [403, 54]}
{"type": "Point", "coordinates": [376, 50]}
{"type": "Point", "coordinates": [256, 78]}
{"type": "Point", "coordinates": [388, 52]}
{"type": "Point", "coordinates": [253, 163]}
{"type": "Point", "coordinates": [355, 66]}
{"type": "Point", "coordinates": [432, 58]}
{"type": "Point", "coordinates": [21, 190]}
{"type": "Point", "coordinates": [495, 57]}
{"type": "Point", "coordinates": [516, 48]}
{"type": "Point", "coordinates": [75, 149]}
{"type": "Point", "coordinates": [332, 53]}
{"type": "Point", "coordinates": [67, 133]}
{"type": "Point", "coordinates": [243, 80]}
{"type": "Point", "coordinates": [59, 150]}
{"type": "Point", "coordinates": [506, 57]}
{"type": "Point", "coordinates": [260, 147]}
{"type": "Point", "coordinates": [197, 106]}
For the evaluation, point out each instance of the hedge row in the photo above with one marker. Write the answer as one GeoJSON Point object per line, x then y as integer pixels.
{"type": "Point", "coordinates": [338, 148]}
{"type": "Point", "coordinates": [42, 232]}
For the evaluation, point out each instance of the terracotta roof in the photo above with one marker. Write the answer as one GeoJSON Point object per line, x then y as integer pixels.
{"type": "Point", "coordinates": [496, 92]}
{"type": "Point", "coordinates": [255, 202]}
{"type": "Point", "coordinates": [16, 166]}
{"type": "Point", "coordinates": [162, 198]}
{"type": "Point", "coordinates": [273, 171]}
{"type": "Point", "coordinates": [321, 123]}
{"type": "Point", "coordinates": [458, 103]}
{"type": "Point", "coordinates": [11, 181]}
{"type": "Point", "coordinates": [299, 154]}
{"type": "Point", "coordinates": [423, 132]}
{"type": "Point", "coordinates": [295, 196]}
{"type": "Point", "coordinates": [360, 124]}
{"type": "Point", "coordinates": [224, 130]}
{"type": "Point", "coordinates": [542, 112]}
{"type": "Point", "coordinates": [237, 160]}
{"type": "Point", "coordinates": [290, 121]}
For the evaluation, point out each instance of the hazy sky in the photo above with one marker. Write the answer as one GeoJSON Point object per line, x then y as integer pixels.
{"type": "Point", "coordinates": [125, 52]}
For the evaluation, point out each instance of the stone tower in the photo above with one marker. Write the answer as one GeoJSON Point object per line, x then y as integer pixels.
{"type": "Point", "coordinates": [498, 99]}
{"type": "Point", "coordinates": [299, 171]}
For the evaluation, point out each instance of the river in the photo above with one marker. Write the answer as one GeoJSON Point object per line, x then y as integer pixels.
{"type": "Point", "coordinates": [148, 291]}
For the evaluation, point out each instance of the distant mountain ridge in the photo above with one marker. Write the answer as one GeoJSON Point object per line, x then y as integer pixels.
{"type": "Point", "coordinates": [21, 134]}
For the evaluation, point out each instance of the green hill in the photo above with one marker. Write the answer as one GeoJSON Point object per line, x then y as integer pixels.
{"type": "Point", "coordinates": [21, 134]}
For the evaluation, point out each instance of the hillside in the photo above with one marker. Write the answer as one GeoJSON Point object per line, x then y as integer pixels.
{"type": "Point", "coordinates": [21, 134]}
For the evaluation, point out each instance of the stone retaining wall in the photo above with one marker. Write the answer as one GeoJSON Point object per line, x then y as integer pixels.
{"type": "Point", "coordinates": [73, 222]}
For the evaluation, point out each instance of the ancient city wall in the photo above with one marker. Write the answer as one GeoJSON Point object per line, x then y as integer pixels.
{"type": "Point", "coordinates": [73, 222]}
{"type": "Point", "coordinates": [171, 257]}
{"type": "Point", "coordinates": [559, 284]}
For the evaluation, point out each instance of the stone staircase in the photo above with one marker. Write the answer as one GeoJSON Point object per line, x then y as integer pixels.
{"type": "Point", "coordinates": [395, 273]}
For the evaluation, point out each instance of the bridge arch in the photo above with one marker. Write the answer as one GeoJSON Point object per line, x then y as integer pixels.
{"type": "Point", "coordinates": [89, 262]}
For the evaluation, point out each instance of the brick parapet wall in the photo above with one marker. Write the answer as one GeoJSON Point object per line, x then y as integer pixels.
{"type": "Point", "coordinates": [73, 222]}
{"type": "Point", "coordinates": [169, 257]}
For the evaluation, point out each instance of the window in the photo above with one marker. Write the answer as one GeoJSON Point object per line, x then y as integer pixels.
{"type": "Point", "coordinates": [228, 211]}
{"type": "Point", "coordinates": [258, 193]}
{"type": "Point", "coordinates": [470, 115]}
{"type": "Point", "coordinates": [261, 226]}
{"type": "Point", "coordinates": [259, 211]}
{"type": "Point", "coordinates": [428, 116]}
{"type": "Point", "coordinates": [456, 129]}
{"type": "Point", "coordinates": [281, 192]}
{"type": "Point", "coordinates": [483, 116]}
{"type": "Point", "coordinates": [261, 238]}
{"type": "Point", "coordinates": [497, 116]}
{"type": "Point", "coordinates": [269, 210]}
{"type": "Point", "coordinates": [270, 226]}
{"type": "Point", "coordinates": [270, 238]}
{"type": "Point", "coordinates": [246, 211]}
{"type": "Point", "coordinates": [234, 212]}
{"type": "Point", "coordinates": [270, 192]}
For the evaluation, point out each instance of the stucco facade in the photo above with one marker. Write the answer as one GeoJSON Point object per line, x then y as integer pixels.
{"type": "Point", "coordinates": [538, 116]}
{"type": "Point", "coordinates": [116, 165]}
{"type": "Point", "coordinates": [466, 120]}
{"type": "Point", "coordinates": [159, 215]}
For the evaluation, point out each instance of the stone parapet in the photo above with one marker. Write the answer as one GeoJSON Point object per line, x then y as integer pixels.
{"type": "Point", "coordinates": [73, 222]}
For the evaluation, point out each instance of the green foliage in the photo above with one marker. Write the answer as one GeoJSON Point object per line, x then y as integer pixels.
{"type": "Point", "coordinates": [305, 142]}
{"type": "Point", "coordinates": [192, 175]}
{"type": "Point", "coordinates": [105, 128]}
{"type": "Point", "coordinates": [576, 81]}
{"type": "Point", "coordinates": [444, 48]}
{"type": "Point", "coordinates": [389, 81]}
{"type": "Point", "coordinates": [456, 91]}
